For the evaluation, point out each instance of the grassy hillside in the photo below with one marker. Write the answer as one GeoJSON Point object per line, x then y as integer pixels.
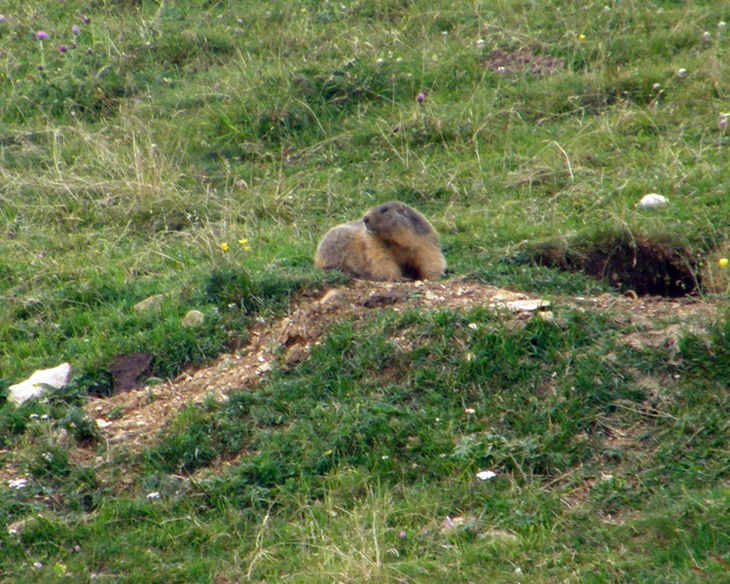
{"type": "Point", "coordinates": [198, 150]}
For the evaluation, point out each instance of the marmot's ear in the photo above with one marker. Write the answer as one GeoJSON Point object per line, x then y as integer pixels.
{"type": "Point", "coordinates": [418, 221]}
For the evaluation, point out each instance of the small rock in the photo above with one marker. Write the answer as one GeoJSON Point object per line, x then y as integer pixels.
{"type": "Point", "coordinates": [651, 201]}
{"type": "Point", "coordinates": [193, 318]}
{"type": "Point", "coordinates": [148, 303]}
{"type": "Point", "coordinates": [38, 384]}
{"type": "Point", "coordinates": [526, 305]}
{"type": "Point", "coordinates": [485, 475]}
{"type": "Point", "coordinates": [17, 484]}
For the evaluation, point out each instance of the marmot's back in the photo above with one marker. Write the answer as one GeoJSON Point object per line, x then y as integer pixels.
{"type": "Point", "coordinates": [391, 242]}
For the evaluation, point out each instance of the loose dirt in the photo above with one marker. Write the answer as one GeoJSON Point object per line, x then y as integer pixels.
{"type": "Point", "coordinates": [135, 417]}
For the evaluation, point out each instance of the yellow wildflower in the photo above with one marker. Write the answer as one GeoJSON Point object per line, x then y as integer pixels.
{"type": "Point", "coordinates": [722, 262]}
{"type": "Point", "coordinates": [224, 246]}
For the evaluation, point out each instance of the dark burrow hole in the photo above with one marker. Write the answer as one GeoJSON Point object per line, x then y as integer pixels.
{"type": "Point", "coordinates": [647, 268]}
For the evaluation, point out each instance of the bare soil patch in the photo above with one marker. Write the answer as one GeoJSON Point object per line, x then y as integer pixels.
{"type": "Point", "coordinates": [521, 61]}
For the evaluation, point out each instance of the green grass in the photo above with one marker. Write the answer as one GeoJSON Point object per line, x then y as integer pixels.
{"type": "Point", "coordinates": [174, 127]}
{"type": "Point", "coordinates": [350, 473]}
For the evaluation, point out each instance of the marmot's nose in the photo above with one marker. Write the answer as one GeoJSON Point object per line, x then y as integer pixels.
{"type": "Point", "coordinates": [366, 219]}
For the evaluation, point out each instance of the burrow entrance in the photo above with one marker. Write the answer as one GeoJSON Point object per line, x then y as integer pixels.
{"type": "Point", "coordinates": [644, 267]}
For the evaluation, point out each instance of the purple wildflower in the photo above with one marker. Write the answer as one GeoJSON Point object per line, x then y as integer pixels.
{"type": "Point", "coordinates": [63, 48]}
{"type": "Point", "coordinates": [420, 97]}
{"type": "Point", "coordinates": [75, 29]}
{"type": "Point", "coordinates": [2, 18]}
{"type": "Point", "coordinates": [85, 19]}
{"type": "Point", "coordinates": [88, 51]}
{"type": "Point", "coordinates": [41, 34]}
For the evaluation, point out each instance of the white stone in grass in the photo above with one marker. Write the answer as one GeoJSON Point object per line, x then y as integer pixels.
{"type": "Point", "coordinates": [153, 495]}
{"type": "Point", "coordinates": [18, 483]}
{"type": "Point", "coordinates": [681, 73]}
{"type": "Point", "coordinates": [527, 305]}
{"type": "Point", "coordinates": [39, 383]}
{"type": "Point", "coordinates": [651, 201]}
{"type": "Point", "coordinates": [485, 475]}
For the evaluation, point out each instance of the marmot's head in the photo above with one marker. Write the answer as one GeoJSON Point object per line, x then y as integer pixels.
{"type": "Point", "coordinates": [395, 217]}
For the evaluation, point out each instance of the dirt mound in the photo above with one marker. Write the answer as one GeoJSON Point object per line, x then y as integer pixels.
{"type": "Point", "coordinates": [133, 419]}
{"type": "Point", "coordinates": [522, 60]}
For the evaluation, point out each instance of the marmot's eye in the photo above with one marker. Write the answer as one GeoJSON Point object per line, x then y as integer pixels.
{"type": "Point", "coordinates": [384, 210]}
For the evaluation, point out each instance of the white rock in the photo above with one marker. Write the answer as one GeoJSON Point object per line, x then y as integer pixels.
{"type": "Point", "coordinates": [527, 305]}
{"type": "Point", "coordinates": [485, 475]}
{"type": "Point", "coordinates": [38, 383]}
{"type": "Point", "coordinates": [652, 200]}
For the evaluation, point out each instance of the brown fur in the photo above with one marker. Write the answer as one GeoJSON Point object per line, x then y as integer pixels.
{"type": "Point", "coordinates": [391, 242]}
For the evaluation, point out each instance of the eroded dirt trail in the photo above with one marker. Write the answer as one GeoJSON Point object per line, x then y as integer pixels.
{"type": "Point", "coordinates": [133, 419]}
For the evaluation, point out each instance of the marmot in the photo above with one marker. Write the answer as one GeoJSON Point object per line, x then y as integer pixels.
{"type": "Point", "coordinates": [391, 242]}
